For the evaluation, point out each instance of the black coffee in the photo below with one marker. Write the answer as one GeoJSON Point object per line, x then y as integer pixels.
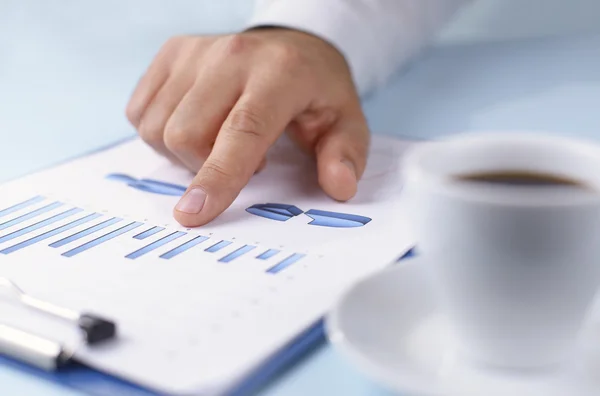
{"type": "Point", "coordinates": [520, 178]}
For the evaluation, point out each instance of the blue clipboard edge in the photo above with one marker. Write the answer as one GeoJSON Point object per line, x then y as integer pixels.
{"type": "Point", "coordinates": [94, 383]}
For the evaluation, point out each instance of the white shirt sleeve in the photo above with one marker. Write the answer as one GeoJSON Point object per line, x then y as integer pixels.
{"type": "Point", "coordinates": [376, 36]}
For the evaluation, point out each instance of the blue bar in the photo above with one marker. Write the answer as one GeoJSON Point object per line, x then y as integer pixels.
{"type": "Point", "coordinates": [155, 245]}
{"type": "Point", "coordinates": [285, 263]}
{"type": "Point", "coordinates": [268, 254]}
{"type": "Point", "coordinates": [411, 253]}
{"type": "Point", "coordinates": [182, 248]}
{"type": "Point", "coordinates": [86, 232]}
{"type": "Point", "coordinates": [102, 239]}
{"type": "Point", "coordinates": [40, 224]}
{"type": "Point", "coordinates": [236, 253]}
{"type": "Point", "coordinates": [30, 215]}
{"type": "Point", "coordinates": [148, 233]}
{"type": "Point", "coordinates": [50, 234]}
{"type": "Point", "coordinates": [335, 219]}
{"type": "Point", "coordinates": [20, 206]}
{"type": "Point", "coordinates": [217, 246]}
{"type": "Point", "coordinates": [275, 211]}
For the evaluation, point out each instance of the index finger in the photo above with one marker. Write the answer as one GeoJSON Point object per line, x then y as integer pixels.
{"type": "Point", "coordinates": [256, 121]}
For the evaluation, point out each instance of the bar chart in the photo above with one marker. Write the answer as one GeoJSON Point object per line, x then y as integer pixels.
{"type": "Point", "coordinates": [271, 211]}
{"type": "Point", "coordinates": [73, 231]}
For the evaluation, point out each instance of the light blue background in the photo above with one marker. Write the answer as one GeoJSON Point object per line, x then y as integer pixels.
{"type": "Point", "coordinates": [67, 68]}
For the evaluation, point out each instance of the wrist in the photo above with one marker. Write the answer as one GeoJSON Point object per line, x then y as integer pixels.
{"type": "Point", "coordinates": [303, 40]}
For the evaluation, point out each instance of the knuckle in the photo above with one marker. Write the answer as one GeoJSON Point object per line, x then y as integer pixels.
{"type": "Point", "coordinates": [177, 138]}
{"type": "Point", "coordinates": [246, 121]}
{"type": "Point", "coordinates": [285, 55]}
{"type": "Point", "coordinates": [150, 133]}
{"type": "Point", "coordinates": [178, 46]}
{"type": "Point", "coordinates": [232, 44]}
{"type": "Point", "coordinates": [198, 45]}
{"type": "Point", "coordinates": [175, 42]}
{"type": "Point", "coordinates": [133, 112]}
{"type": "Point", "coordinates": [170, 47]}
{"type": "Point", "coordinates": [215, 170]}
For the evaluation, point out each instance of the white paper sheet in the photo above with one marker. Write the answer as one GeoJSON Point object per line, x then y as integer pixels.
{"type": "Point", "coordinates": [196, 322]}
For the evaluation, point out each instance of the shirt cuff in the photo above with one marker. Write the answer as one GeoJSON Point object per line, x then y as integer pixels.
{"type": "Point", "coordinates": [334, 21]}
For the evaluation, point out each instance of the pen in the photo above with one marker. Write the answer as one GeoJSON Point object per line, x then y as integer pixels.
{"type": "Point", "coordinates": [32, 349]}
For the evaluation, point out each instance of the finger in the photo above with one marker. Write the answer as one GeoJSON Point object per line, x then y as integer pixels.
{"type": "Point", "coordinates": [252, 126]}
{"type": "Point", "coordinates": [342, 155]}
{"type": "Point", "coordinates": [153, 123]}
{"type": "Point", "coordinates": [306, 129]}
{"type": "Point", "coordinates": [192, 129]}
{"type": "Point", "coordinates": [150, 83]}
{"type": "Point", "coordinates": [261, 166]}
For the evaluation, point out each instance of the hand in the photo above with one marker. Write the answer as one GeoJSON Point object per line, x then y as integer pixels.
{"type": "Point", "coordinates": [215, 104]}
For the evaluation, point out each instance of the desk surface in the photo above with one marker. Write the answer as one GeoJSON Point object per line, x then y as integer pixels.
{"type": "Point", "coordinates": [54, 107]}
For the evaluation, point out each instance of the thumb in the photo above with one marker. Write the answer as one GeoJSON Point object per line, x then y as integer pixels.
{"type": "Point", "coordinates": [342, 155]}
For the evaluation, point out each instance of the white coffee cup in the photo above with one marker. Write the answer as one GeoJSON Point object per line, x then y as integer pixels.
{"type": "Point", "coordinates": [516, 267]}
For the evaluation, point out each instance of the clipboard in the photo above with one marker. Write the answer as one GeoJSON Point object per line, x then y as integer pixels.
{"type": "Point", "coordinates": [79, 377]}
{"type": "Point", "coordinates": [51, 359]}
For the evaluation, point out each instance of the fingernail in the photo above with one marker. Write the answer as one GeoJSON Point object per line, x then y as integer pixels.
{"type": "Point", "coordinates": [192, 202]}
{"type": "Point", "coordinates": [350, 165]}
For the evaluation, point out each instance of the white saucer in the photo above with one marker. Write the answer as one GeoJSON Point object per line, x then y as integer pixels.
{"type": "Point", "coordinates": [390, 327]}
